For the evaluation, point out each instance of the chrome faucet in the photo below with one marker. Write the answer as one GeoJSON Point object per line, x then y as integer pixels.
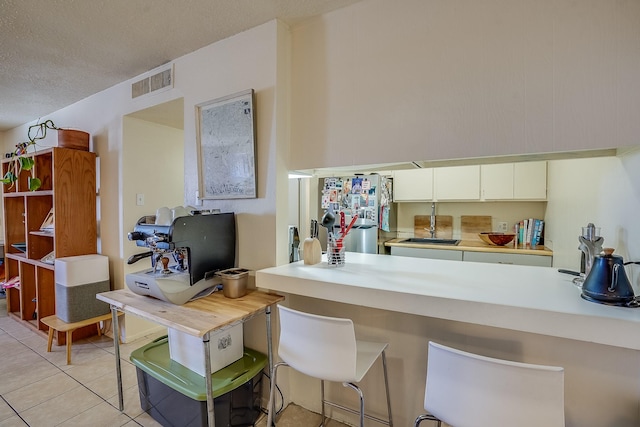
{"type": "Point", "coordinates": [432, 227]}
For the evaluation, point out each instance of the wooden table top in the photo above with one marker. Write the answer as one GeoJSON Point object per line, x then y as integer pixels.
{"type": "Point", "coordinates": [195, 317]}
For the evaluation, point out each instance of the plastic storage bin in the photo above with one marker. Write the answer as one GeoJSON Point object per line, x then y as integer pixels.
{"type": "Point", "coordinates": [78, 280]}
{"type": "Point", "coordinates": [176, 396]}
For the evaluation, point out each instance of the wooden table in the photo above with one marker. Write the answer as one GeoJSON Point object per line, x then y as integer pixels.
{"type": "Point", "coordinates": [198, 318]}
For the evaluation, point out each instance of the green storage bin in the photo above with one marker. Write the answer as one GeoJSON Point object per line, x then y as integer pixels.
{"type": "Point", "coordinates": [176, 396]}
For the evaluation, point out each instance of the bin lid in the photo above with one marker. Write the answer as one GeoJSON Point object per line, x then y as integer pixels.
{"type": "Point", "coordinates": [154, 359]}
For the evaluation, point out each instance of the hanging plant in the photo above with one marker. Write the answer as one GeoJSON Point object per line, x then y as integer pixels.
{"type": "Point", "coordinates": [22, 160]}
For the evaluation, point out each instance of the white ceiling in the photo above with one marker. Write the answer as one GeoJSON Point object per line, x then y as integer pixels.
{"type": "Point", "coordinates": [54, 53]}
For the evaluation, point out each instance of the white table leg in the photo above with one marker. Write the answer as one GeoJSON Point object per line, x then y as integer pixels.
{"type": "Point", "coordinates": [207, 379]}
{"type": "Point", "coordinates": [116, 346]}
{"type": "Point", "coordinates": [267, 312]}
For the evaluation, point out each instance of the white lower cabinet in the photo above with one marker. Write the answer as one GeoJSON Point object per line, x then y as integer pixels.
{"type": "Point", "coordinates": [489, 257]}
{"type": "Point", "coordinates": [427, 253]}
{"type": "Point", "coordinates": [500, 258]}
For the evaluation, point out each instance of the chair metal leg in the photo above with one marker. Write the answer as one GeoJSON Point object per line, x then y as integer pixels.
{"type": "Point", "coordinates": [271, 417]}
{"type": "Point", "coordinates": [424, 417]}
{"type": "Point", "coordinates": [386, 386]}
{"type": "Point", "coordinates": [357, 389]}
{"type": "Point", "coordinates": [322, 402]}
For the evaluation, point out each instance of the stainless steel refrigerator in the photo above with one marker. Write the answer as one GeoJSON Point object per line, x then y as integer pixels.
{"type": "Point", "coordinates": [369, 198]}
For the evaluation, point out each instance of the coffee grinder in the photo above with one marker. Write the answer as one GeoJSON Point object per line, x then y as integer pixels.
{"type": "Point", "coordinates": [590, 245]}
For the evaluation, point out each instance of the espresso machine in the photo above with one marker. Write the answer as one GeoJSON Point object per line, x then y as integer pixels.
{"type": "Point", "coordinates": [185, 255]}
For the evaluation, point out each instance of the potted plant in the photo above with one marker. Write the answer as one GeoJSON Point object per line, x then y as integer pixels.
{"type": "Point", "coordinates": [22, 160]}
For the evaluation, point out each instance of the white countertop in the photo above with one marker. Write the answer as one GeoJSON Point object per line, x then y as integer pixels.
{"type": "Point", "coordinates": [523, 298]}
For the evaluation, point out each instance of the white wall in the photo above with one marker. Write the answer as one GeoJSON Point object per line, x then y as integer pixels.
{"type": "Point", "coordinates": [256, 59]}
{"type": "Point", "coordinates": [146, 143]}
{"type": "Point", "coordinates": [384, 81]}
{"type": "Point", "coordinates": [604, 191]}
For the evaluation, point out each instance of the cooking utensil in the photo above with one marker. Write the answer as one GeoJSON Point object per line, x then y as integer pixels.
{"type": "Point", "coordinates": [328, 220]}
{"type": "Point", "coordinates": [346, 231]}
{"type": "Point", "coordinates": [607, 282]}
{"type": "Point", "coordinates": [342, 222]}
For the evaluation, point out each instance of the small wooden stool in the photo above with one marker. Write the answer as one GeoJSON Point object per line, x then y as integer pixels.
{"type": "Point", "coordinates": [55, 324]}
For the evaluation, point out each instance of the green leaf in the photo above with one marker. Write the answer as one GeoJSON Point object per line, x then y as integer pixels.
{"type": "Point", "coordinates": [26, 163]}
{"type": "Point", "coordinates": [34, 183]}
{"type": "Point", "coordinates": [9, 178]}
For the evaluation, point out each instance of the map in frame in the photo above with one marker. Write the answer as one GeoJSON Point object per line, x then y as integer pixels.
{"type": "Point", "coordinates": [226, 147]}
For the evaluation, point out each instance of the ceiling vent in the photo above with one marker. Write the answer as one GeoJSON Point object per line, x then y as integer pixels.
{"type": "Point", "coordinates": [154, 81]}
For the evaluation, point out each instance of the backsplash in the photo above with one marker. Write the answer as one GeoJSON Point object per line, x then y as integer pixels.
{"type": "Point", "coordinates": [509, 212]}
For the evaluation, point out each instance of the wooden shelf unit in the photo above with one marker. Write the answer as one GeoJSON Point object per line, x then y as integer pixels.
{"type": "Point", "coordinates": [69, 187]}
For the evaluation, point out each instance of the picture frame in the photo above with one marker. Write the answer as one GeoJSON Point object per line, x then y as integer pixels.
{"type": "Point", "coordinates": [225, 133]}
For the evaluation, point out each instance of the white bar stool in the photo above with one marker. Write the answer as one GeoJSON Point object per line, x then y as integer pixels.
{"type": "Point", "coordinates": [468, 390]}
{"type": "Point", "coordinates": [326, 348]}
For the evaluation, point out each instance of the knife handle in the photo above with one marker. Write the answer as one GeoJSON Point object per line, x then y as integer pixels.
{"type": "Point", "coordinates": [571, 272]}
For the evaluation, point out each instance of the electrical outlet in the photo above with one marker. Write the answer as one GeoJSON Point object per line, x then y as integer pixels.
{"type": "Point", "coordinates": [502, 227]}
{"type": "Point", "coordinates": [140, 199]}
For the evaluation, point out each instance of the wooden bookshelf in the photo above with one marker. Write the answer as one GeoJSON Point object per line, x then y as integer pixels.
{"type": "Point", "coordinates": [69, 187]}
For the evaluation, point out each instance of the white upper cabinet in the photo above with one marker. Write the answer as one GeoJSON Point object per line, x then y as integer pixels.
{"type": "Point", "coordinates": [514, 181]}
{"type": "Point", "coordinates": [530, 181]}
{"type": "Point", "coordinates": [413, 185]}
{"type": "Point", "coordinates": [457, 183]}
{"type": "Point", "coordinates": [496, 181]}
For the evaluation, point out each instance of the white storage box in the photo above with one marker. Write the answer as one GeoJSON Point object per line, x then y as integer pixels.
{"type": "Point", "coordinates": [226, 347]}
{"type": "Point", "coordinates": [78, 280]}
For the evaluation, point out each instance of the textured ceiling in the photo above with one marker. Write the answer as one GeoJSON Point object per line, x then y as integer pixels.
{"type": "Point", "coordinates": [56, 52]}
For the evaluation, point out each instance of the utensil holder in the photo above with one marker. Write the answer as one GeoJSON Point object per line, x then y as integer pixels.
{"type": "Point", "coordinates": [335, 254]}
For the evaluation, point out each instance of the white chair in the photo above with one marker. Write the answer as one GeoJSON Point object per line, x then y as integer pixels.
{"type": "Point", "coordinates": [467, 390]}
{"type": "Point", "coordinates": [326, 348]}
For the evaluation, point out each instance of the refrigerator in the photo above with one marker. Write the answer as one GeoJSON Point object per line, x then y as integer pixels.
{"type": "Point", "coordinates": [369, 198]}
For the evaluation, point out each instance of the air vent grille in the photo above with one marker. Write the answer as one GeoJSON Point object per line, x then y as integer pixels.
{"type": "Point", "coordinates": [162, 80]}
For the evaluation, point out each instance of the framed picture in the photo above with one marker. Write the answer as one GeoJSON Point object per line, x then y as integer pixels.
{"type": "Point", "coordinates": [226, 147]}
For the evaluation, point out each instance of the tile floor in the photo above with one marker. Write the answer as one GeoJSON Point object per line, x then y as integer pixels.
{"type": "Point", "coordinates": [39, 389]}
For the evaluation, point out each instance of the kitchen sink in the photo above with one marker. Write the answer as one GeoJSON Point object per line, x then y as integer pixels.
{"type": "Point", "coordinates": [431, 241]}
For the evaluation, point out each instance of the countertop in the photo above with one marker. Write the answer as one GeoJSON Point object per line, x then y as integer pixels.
{"type": "Point", "coordinates": [523, 298]}
{"type": "Point", "coordinates": [475, 246]}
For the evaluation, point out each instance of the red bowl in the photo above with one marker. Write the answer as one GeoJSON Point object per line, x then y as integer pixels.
{"type": "Point", "coordinates": [498, 239]}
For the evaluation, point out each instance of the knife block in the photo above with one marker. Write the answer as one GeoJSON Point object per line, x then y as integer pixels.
{"type": "Point", "coordinates": [311, 251]}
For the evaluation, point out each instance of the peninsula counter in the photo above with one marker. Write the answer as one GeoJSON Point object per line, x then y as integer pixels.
{"type": "Point", "coordinates": [521, 313]}
{"type": "Point", "coordinates": [531, 299]}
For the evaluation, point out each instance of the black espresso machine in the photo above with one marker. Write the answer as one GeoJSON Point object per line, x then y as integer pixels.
{"type": "Point", "coordinates": [184, 255]}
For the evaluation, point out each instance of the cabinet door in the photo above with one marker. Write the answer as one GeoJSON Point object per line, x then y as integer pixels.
{"type": "Point", "coordinates": [427, 253]}
{"type": "Point", "coordinates": [496, 181]}
{"type": "Point", "coordinates": [457, 183]}
{"type": "Point", "coordinates": [530, 181]}
{"type": "Point", "coordinates": [412, 185]}
{"type": "Point", "coordinates": [500, 258]}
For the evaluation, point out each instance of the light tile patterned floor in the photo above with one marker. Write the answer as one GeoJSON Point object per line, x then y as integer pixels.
{"type": "Point", "coordinates": [39, 389]}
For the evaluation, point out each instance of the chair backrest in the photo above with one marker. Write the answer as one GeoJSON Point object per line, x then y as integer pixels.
{"type": "Point", "coordinates": [468, 390]}
{"type": "Point", "coordinates": [318, 346]}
